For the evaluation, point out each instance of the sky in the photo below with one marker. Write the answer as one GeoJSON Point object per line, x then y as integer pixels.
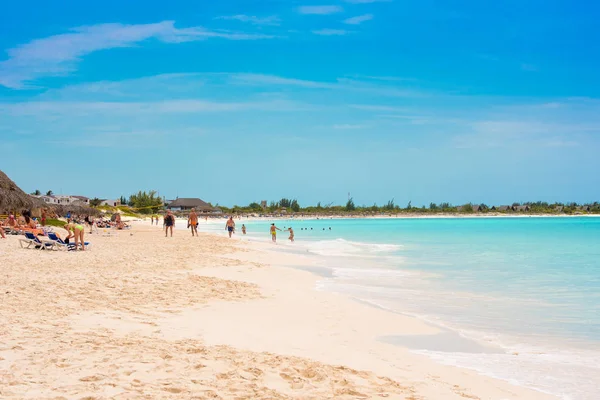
{"type": "Point", "coordinates": [238, 101]}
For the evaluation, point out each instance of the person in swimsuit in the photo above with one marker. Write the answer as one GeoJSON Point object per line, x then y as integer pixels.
{"type": "Point", "coordinates": [274, 230]}
{"type": "Point", "coordinates": [243, 229]}
{"type": "Point", "coordinates": [230, 226]}
{"type": "Point", "coordinates": [193, 221]}
{"type": "Point", "coordinates": [291, 231]}
{"type": "Point", "coordinates": [2, 230]}
{"type": "Point", "coordinates": [76, 232]}
{"type": "Point", "coordinates": [169, 223]}
{"type": "Point", "coordinates": [43, 217]}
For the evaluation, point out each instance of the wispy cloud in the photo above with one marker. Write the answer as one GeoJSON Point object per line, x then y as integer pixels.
{"type": "Point", "coordinates": [58, 55]}
{"type": "Point", "coordinates": [358, 19]}
{"type": "Point", "coordinates": [270, 20]}
{"type": "Point", "coordinates": [330, 32]}
{"type": "Point", "coordinates": [320, 10]}
{"type": "Point", "coordinates": [70, 108]}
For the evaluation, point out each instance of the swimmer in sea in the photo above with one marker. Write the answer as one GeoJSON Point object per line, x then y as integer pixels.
{"type": "Point", "coordinates": [243, 229]}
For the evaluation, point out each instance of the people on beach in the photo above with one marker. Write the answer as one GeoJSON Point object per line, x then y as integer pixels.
{"type": "Point", "coordinates": [230, 226]}
{"type": "Point", "coordinates": [2, 230]}
{"type": "Point", "coordinates": [169, 223]}
{"type": "Point", "coordinates": [274, 230]}
{"type": "Point", "coordinates": [291, 231]}
{"type": "Point", "coordinates": [193, 221]}
{"type": "Point", "coordinates": [152, 220]}
{"type": "Point", "coordinates": [243, 229]}
{"type": "Point", "coordinates": [43, 217]}
{"type": "Point", "coordinates": [76, 232]}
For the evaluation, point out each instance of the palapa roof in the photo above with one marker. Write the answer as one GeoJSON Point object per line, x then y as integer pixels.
{"type": "Point", "coordinates": [13, 198]}
{"type": "Point", "coordinates": [189, 203]}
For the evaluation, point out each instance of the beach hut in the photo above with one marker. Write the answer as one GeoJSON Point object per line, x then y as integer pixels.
{"type": "Point", "coordinates": [186, 204]}
{"type": "Point", "coordinates": [505, 208]}
{"type": "Point", "coordinates": [521, 208]}
{"type": "Point", "coordinates": [12, 198]}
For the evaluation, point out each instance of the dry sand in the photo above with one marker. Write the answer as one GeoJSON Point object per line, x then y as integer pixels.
{"type": "Point", "coordinates": [144, 316]}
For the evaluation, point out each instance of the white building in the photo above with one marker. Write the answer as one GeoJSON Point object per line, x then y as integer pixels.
{"type": "Point", "coordinates": [64, 200]}
{"type": "Point", "coordinates": [112, 203]}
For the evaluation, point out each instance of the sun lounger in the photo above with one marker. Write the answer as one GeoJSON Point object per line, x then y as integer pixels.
{"type": "Point", "coordinates": [37, 243]}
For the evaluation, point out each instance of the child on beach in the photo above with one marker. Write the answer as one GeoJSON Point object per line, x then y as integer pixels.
{"type": "Point", "coordinates": [274, 230]}
{"type": "Point", "coordinates": [243, 229]}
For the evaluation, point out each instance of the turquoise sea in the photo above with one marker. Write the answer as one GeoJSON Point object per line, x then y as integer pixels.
{"type": "Point", "coordinates": [528, 287]}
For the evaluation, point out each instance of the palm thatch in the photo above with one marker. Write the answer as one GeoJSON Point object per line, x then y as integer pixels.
{"type": "Point", "coordinates": [12, 198]}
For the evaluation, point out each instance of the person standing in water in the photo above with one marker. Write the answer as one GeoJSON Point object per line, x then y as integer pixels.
{"type": "Point", "coordinates": [193, 221]}
{"type": "Point", "coordinates": [169, 223]}
{"type": "Point", "coordinates": [230, 226]}
{"type": "Point", "coordinates": [291, 231]}
{"type": "Point", "coordinates": [243, 229]}
{"type": "Point", "coordinates": [274, 230]}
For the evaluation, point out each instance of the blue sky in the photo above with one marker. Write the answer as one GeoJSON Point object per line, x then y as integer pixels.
{"type": "Point", "coordinates": [239, 101]}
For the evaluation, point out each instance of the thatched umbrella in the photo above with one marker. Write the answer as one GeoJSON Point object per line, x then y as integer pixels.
{"type": "Point", "coordinates": [12, 198]}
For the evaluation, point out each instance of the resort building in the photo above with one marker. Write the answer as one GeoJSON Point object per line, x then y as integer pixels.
{"type": "Point", "coordinates": [186, 204]}
{"type": "Point", "coordinates": [112, 203]}
{"type": "Point", "coordinates": [64, 200]}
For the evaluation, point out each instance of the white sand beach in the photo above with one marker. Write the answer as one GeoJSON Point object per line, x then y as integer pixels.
{"type": "Point", "coordinates": [141, 316]}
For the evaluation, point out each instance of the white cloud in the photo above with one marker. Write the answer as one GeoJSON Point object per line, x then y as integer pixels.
{"type": "Point", "coordinates": [270, 20]}
{"type": "Point", "coordinates": [320, 10]}
{"type": "Point", "coordinates": [358, 19]}
{"type": "Point", "coordinates": [330, 32]}
{"type": "Point", "coordinates": [58, 55]}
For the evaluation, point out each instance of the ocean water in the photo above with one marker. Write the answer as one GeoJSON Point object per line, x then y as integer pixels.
{"type": "Point", "coordinates": [529, 287]}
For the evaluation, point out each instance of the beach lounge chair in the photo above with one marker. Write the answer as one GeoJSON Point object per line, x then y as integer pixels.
{"type": "Point", "coordinates": [37, 243]}
{"type": "Point", "coordinates": [61, 244]}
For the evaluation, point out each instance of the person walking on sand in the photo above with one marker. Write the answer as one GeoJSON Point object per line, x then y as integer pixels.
{"type": "Point", "coordinates": [243, 229]}
{"type": "Point", "coordinates": [193, 221]}
{"type": "Point", "coordinates": [230, 226]}
{"type": "Point", "coordinates": [152, 220]}
{"type": "Point", "coordinates": [169, 223]}
{"type": "Point", "coordinates": [291, 231]}
{"type": "Point", "coordinates": [274, 230]}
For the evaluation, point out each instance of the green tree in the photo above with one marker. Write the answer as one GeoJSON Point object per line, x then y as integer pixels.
{"type": "Point", "coordinates": [433, 206]}
{"type": "Point", "coordinates": [49, 193]}
{"type": "Point", "coordinates": [37, 192]}
{"type": "Point", "coordinates": [350, 205]}
{"type": "Point", "coordinates": [146, 202]}
{"type": "Point", "coordinates": [95, 202]}
{"type": "Point", "coordinates": [123, 200]}
{"type": "Point", "coordinates": [409, 205]}
{"type": "Point", "coordinates": [295, 206]}
{"type": "Point", "coordinates": [389, 205]}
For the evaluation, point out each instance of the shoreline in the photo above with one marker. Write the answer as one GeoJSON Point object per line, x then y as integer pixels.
{"type": "Point", "coordinates": [145, 315]}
